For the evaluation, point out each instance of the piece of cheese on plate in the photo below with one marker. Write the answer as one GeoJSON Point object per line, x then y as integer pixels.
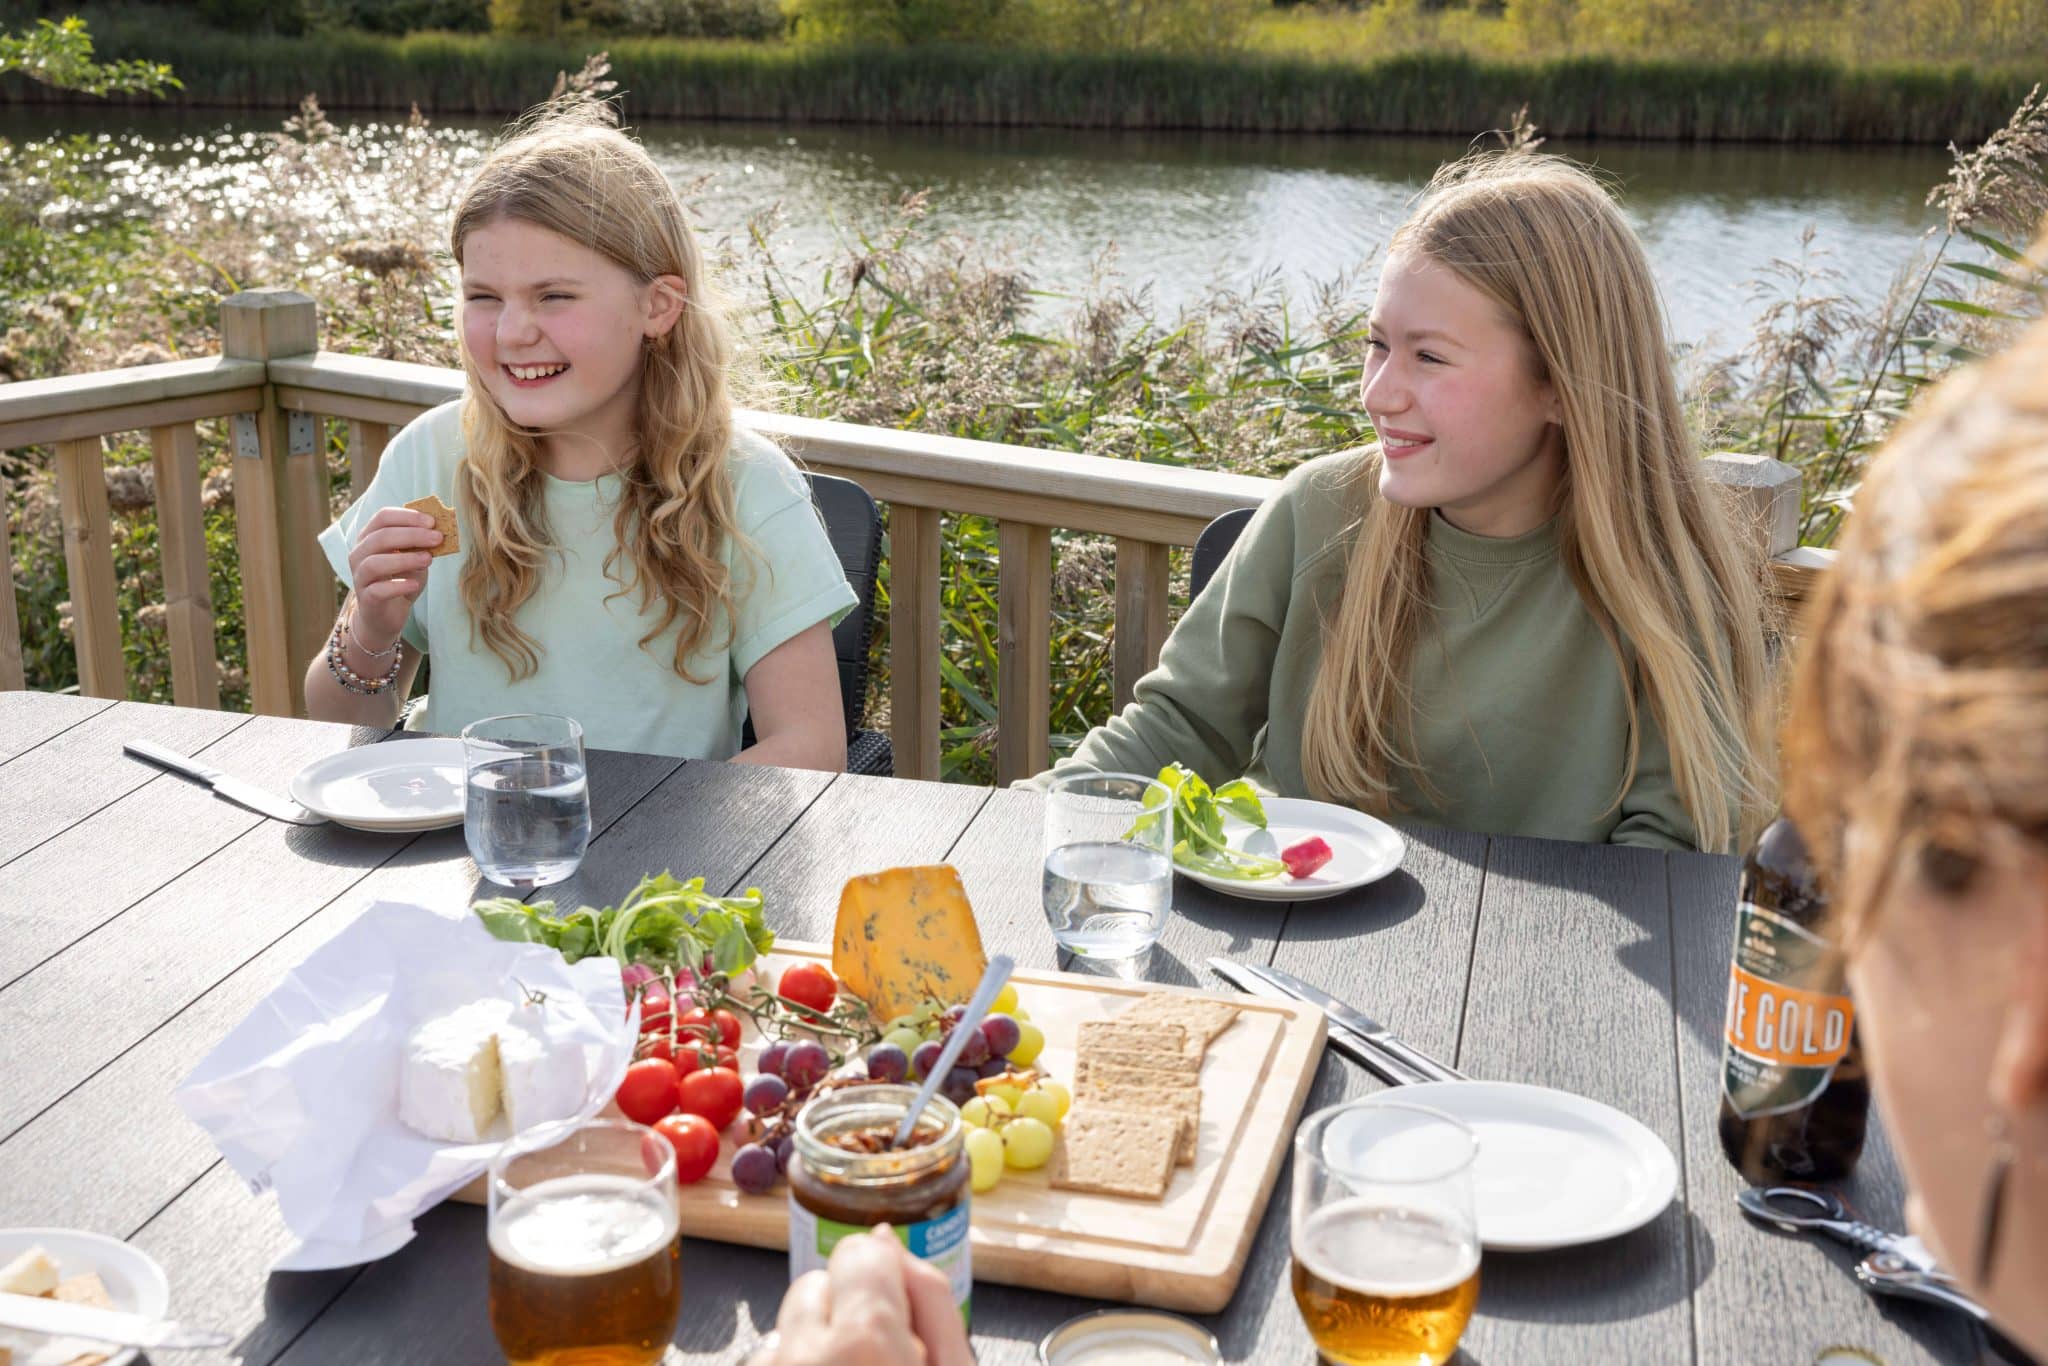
{"type": "Point", "coordinates": [449, 1080]}
{"type": "Point", "coordinates": [32, 1273]}
{"type": "Point", "coordinates": [905, 936]}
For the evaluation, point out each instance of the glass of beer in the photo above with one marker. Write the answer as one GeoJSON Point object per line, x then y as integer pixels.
{"type": "Point", "coordinates": [585, 1257]}
{"type": "Point", "coordinates": [1386, 1240]}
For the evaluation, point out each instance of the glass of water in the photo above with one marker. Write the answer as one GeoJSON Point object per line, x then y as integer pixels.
{"type": "Point", "coordinates": [1108, 868]}
{"type": "Point", "coordinates": [527, 814]}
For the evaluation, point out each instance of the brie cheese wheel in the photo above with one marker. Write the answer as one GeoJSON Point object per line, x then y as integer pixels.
{"type": "Point", "coordinates": [449, 1083]}
{"type": "Point", "coordinates": [540, 1082]}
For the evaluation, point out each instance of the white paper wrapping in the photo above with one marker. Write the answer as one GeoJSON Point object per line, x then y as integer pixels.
{"type": "Point", "coordinates": [301, 1098]}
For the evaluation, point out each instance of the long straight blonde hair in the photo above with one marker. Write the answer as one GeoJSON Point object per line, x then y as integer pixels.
{"type": "Point", "coordinates": [569, 171]}
{"type": "Point", "coordinates": [1674, 584]}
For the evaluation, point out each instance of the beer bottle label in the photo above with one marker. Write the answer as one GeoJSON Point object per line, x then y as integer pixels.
{"type": "Point", "coordinates": [1783, 1038]}
{"type": "Point", "coordinates": [942, 1242]}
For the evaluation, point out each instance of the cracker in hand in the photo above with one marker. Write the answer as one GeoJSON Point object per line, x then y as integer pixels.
{"type": "Point", "coordinates": [444, 522]}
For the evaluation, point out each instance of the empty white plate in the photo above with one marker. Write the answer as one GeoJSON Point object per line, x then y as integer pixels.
{"type": "Point", "coordinates": [1554, 1169]}
{"type": "Point", "coordinates": [134, 1281]}
{"type": "Point", "coordinates": [1362, 848]}
{"type": "Point", "coordinates": [394, 787]}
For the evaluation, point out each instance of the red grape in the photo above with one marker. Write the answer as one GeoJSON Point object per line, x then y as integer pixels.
{"type": "Point", "coordinates": [1002, 1034]}
{"type": "Point", "coordinates": [753, 1169]}
{"type": "Point", "coordinates": [926, 1055]}
{"type": "Point", "coordinates": [805, 1065]}
{"type": "Point", "coordinates": [765, 1093]}
{"type": "Point", "coordinates": [887, 1063]}
{"type": "Point", "coordinates": [772, 1058]}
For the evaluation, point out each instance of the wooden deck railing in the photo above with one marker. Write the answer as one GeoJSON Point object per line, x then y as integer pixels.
{"type": "Point", "coordinates": [276, 391]}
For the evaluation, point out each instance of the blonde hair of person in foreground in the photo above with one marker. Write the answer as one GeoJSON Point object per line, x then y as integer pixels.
{"type": "Point", "coordinates": [1916, 760]}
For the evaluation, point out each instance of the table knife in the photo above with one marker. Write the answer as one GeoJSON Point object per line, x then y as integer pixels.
{"type": "Point", "coordinates": [62, 1319]}
{"type": "Point", "coordinates": [1359, 1023]}
{"type": "Point", "coordinates": [226, 785]}
{"type": "Point", "coordinates": [1359, 1050]}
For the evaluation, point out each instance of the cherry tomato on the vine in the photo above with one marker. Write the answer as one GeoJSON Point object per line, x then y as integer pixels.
{"type": "Point", "coordinates": [809, 984]}
{"type": "Point", "coordinates": [695, 1142]}
{"type": "Point", "coordinates": [649, 1090]}
{"type": "Point", "coordinates": [713, 1092]}
{"type": "Point", "coordinates": [724, 1021]}
{"type": "Point", "coordinates": [696, 1055]}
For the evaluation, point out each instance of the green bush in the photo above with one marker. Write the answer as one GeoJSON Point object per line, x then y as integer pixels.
{"type": "Point", "coordinates": [526, 18]}
{"type": "Point", "coordinates": [399, 16]}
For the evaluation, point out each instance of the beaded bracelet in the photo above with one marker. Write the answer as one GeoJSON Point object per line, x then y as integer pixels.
{"type": "Point", "coordinates": [337, 665]}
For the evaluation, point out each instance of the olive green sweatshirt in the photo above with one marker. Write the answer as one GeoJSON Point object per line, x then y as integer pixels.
{"type": "Point", "coordinates": [1522, 717]}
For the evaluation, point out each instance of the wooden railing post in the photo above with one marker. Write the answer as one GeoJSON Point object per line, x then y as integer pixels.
{"type": "Point", "coordinates": [188, 585]}
{"type": "Point", "coordinates": [1023, 650]}
{"type": "Point", "coordinates": [1765, 495]}
{"type": "Point", "coordinates": [1143, 576]}
{"type": "Point", "coordinates": [366, 443]}
{"type": "Point", "coordinates": [89, 556]}
{"type": "Point", "coordinates": [288, 591]}
{"type": "Point", "coordinates": [914, 640]}
{"type": "Point", "coordinates": [13, 677]}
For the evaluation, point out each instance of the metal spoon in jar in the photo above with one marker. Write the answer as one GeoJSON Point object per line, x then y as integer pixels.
{"type": "Point", "coordinates": [977, 1010]}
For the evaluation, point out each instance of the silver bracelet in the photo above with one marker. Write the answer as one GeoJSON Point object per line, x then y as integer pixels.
{"type": "Point", "coordinates": [348, 625]}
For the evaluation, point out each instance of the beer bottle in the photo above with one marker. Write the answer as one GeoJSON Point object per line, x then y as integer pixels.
{"type": "Point", "coordinates": [1794, 1097]}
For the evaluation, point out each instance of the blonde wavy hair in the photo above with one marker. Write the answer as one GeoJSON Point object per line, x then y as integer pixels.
{"type": "Point", "coordinates": [1675, 585]}
{"type": "Point", "coordinates": [568, 170]}
{"type": "Point", "coordinates": [1919, 708]}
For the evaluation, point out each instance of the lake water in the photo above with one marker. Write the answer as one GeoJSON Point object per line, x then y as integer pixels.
{"type": "Point", "coordinates": [1186, 211]}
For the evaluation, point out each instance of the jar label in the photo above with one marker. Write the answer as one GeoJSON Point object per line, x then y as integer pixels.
{"type": "Point", "coordinates": [1783, 1038]}
{"type": "Point", "coordinates": [943, 1242]}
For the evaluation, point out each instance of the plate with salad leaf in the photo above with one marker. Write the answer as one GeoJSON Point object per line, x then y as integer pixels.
{"type": "Point", "coordinates": [1233, 840]}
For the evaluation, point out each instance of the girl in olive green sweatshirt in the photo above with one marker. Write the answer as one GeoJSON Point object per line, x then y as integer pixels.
{"type": "Point", "coordinates": [1524, 611]}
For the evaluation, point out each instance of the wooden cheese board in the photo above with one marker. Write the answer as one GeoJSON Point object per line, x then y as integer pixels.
{"type": "Point", "coordinates": [1185, 1251]}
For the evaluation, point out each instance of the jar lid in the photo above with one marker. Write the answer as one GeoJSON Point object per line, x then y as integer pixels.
{"type": "Point", "coordinates": [1129, 1337]}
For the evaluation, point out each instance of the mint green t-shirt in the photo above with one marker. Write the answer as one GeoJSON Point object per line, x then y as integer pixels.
{"type": "Point", "coordinates": [592, 666]}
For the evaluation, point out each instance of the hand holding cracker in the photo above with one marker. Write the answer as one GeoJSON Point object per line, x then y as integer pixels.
{"type": "Point", "coordinates": [388, 568]}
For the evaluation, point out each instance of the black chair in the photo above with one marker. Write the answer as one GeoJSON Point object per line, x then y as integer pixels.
{"type": "Point", "coordinates": [1212, 547]}
{"type": "Point", "coordinates": [855, 527]}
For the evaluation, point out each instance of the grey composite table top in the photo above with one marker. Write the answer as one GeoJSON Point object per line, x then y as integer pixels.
{"type": "Point", "coordinates": [141, 918]}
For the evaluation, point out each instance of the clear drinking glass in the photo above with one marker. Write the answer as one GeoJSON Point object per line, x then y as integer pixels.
{"type": "Point", "coordinates": [527, 814]}
{"type": "Point", "coordinates": [1385, 1235]}
{"type": "Point", "coordinates": [1108, 866]}
{"type": "Point", "coordinates": [586, 1262]}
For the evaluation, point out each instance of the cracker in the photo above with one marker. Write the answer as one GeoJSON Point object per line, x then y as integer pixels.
{"type": "Point", "coordinates": [1114, 1073]}
{"type": "Point", "coordinates": [1115, 1152]}
{"type": "Point", "coordinates": [1132, 1038]}
{"type": "Point", "coordinates": [86, 1288]}
{"type": "Point", "coordinates": [444, 522]}
{"type": "Point", "coordinates": [1203, 1019]}
{"type": "Point", "coordinates": [1175, 1064]}
{"type": "Point", "coordinates": [1182, 1101]}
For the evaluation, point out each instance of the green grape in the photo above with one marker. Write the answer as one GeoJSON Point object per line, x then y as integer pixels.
{"type": "Point", "coordinates": [1007, 1092]}
{"type": "Point", "coordinates": [900, 1022]}
{"type": "Point", "coordinates": [984, 1159]}
{"type": "Point", "coordinates": [983, 1111]}
{"type": "Point", "coordinates": [905, 1039]}
{"type": "Point", "coordinates": [1030, 1043]}
{"type": "Point", "coordinates": [1059, 1093]}
{"type": "Point", "coordinates": [1041, 1106]}
{"type": "Point", "coordinates": [1006, 1000]}
{"type": "Point", "coordinates": [1018, 1013]}
{"type": "Point", "coordinates": [1027, 1144]}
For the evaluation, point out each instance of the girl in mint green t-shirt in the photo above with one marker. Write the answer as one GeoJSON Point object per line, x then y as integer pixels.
{"type": "Point", "coordinates": [625, 553]}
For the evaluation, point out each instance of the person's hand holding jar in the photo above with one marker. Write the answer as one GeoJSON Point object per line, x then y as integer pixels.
{"type": "Point", "coordinates": [873, 1305]}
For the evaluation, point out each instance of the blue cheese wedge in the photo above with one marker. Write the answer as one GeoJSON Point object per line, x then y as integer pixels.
{"type": "Point", "coordinates": [450, 1081]}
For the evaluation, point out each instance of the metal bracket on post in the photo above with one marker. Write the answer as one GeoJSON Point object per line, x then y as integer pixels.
{"type": "Point", "coordinates": [301, 433]}
{"type": "Point", "coordinates": [248, 444]}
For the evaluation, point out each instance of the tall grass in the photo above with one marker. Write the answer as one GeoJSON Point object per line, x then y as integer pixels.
{"type": "Point", "coordinates": [1591, 95]}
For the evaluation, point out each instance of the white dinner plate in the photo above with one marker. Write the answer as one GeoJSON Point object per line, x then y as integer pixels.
{"type": "Point", "coordinates": [1363, 850]}
{"type": "Point", "coordinates": [1554, 1169]}
{"type": "Point", "coordinates": [134, 1281]}
{"type": "Point", "coordinates": [395, 787]}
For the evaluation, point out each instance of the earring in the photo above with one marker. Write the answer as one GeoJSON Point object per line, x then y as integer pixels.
{"type": "Point", "coordinates": [1991, 1212]}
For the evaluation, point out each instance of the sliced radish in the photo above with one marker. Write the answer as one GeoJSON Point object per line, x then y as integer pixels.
{"type": "Point", "coordinates": [1305, 857]}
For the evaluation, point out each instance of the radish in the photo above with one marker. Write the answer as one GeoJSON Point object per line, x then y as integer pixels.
{"type": "Point", "coordinates": [1305, 857]}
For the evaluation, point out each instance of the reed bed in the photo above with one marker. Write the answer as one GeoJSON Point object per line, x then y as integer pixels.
{"type": "Point", "coordinates": [1804, 100]}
